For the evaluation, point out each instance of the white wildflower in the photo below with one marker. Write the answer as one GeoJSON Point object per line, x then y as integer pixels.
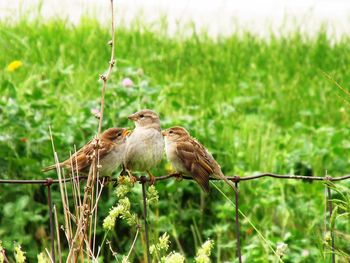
{"type": "Point", "coordinates": [204, 252]}
{"type": "Point", "coordinates": [122, 210]}
{"type": "Point", "coordinates": [281, 249]}
{"type": "Point", "coordinates": [124, 186]}
{"type": "Point", "coordinates": [162, 245]}
{"type": "Point", "coordinates": [2, 253]}
{"type": "Point", "coordinates": [125, 259]}
{"type": "Point", "coordinates": [42, 258]}
{"type": "Point", "coordinates": [152, 195]}
{"type": "Point", "coordinates": [173, 257]}
{"type": "Point", "coordinates": [164, 242]}
{"type": "Point", "coordinates": [152, 249]}
{"type": "Point", "coordinates": [19, 254]}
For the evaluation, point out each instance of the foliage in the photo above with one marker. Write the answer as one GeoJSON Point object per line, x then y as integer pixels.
{"type": "Point", "coordinates": [257, 104]}
{"type": "Point", "coordinates": [122, 209]}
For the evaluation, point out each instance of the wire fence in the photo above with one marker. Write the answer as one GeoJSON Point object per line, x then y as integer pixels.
{"type": "Point", "coordinates": [143, 180]}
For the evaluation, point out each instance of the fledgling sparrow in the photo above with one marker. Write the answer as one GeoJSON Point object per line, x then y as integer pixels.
{"type": "Point", "coordinates": [189, 157]}
{"type": "Point", "coordinates": [145, 145]}
{"type": "Point", "coordinates": [111, 153]}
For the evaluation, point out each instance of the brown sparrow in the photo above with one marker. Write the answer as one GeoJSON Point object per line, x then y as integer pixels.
{"type": "Point", "coordinates": [111, 153]}
{"type": "Point", "coordinates": [189, 157]}
{"type": "Point", "coordinates": [145, 145]}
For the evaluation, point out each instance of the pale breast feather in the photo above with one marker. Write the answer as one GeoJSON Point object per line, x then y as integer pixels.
{"type": "Point", "coordinates": [171, 153]}
{"type": "Point", "coordinates": [144, 149]}
{"type": "Point", "coordinates": [113, 160]}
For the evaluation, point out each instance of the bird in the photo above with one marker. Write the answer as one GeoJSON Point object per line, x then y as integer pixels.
{"type": "Point", "coordinates": [189, 157]}
{"type": "Point", "coordinates": [111, 153]}
{"type": "Point", "coordinates": [145, 145]}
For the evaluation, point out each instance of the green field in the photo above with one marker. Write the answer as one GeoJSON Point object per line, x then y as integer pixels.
{"type": "Point", "coordinates": [259, 105]}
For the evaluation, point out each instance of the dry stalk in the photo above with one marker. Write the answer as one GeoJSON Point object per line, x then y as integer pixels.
{"type": "Point", "coordinates": [49, 255]}
{"type": "Point", "coordinates": [58, 235]}
{"type": "Point", "coordinates": [133, 243]}
{"type": "Point", "coordinates": [84, 222]}
{"type": "Point", "coordinates": [77, 178]}
{"type": "Point", "coordinates": [95, 211]}
{"type": "Point", "coordinates": [67, 229]}
{"type": "Point", "coordinates": [74, 189]}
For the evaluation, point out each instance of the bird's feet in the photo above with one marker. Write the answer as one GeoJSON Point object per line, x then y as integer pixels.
{"type": "Point", "coordinates": [123, 172]}
{"type": "Point", "coordinates": [151, 178]}
{"type": "Point", "coordinates": [178, 176]}
{"type": "Point", "coordinates": [133, 179]}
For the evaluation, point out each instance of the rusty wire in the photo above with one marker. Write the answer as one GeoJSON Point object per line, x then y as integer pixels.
{"type": "Point", "coordinates": [236, 179]}
{"type": "Point", "coordinates": [164, 177]}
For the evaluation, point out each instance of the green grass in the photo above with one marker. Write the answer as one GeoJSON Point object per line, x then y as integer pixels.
{"type": "Point", "coordinates": [257, 104]}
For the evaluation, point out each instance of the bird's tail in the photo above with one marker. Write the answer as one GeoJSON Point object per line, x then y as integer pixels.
{"type": "Point", "coordinates": [49, 168]}
{"type": "Point", "coordinates": [220, 175]}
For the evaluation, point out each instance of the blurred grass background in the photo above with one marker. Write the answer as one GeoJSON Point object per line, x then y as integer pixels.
{"type": "Point", "coordinates": [257, 104]}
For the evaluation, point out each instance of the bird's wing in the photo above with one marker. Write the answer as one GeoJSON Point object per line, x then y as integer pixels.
{"type": "Point", "coordinates": [211, 162]}
{"type": "Point", "coordinates": [82, 159]}
{"type": "Point", "coordinates": [194, 158]}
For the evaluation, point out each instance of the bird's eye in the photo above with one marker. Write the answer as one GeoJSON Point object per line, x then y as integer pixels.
{"type": "Point", "coordinates": [119, 134]}
{"type": "Point", "coordinates": [171, 132]}
{"type": "Point", "coordinates": [141, 115]}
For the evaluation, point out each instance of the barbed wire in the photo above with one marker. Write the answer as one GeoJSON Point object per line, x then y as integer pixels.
{"type": "Point", "coordinates": [235, 178]}
{"type": "Point", "coordinates": [143, 180]}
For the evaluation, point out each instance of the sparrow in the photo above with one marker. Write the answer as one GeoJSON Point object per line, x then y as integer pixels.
{"type": "Point", "coordinates": [189, 157]}
{"type": "Point", "coordinates": [111, 153]}
{"type": "Point", "coordinates": [145, 145]}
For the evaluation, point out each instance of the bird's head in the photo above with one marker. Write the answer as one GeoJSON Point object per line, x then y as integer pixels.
{"type": "Point", "coordinates": [175, 133]}
{"type": "Point", "coordinates": [145, 118]}
{"type": "Point", "coordinates": [116, 135]}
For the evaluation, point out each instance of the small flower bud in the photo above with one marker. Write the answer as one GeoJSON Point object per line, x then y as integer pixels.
{"type": "Point", "coordinates": [139, 72]}
{"type": "Point", "coordinates": [127, 83]}
{"type": "Point", "coordinates": [103, 77]}
{"type": "Point", "coordinates": [281, 249]}
{"type": "Point", "coordinates": [328, 236]}
{"type": "Point", "coordinates": [96, 113]}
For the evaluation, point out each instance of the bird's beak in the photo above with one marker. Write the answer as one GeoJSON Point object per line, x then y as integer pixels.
{"type": "Point", "coordinates": [133, 117]}
{"type": "Point", "coordinates": [164, 133]}
{"type": "Point", "coordinates": [126, 133]}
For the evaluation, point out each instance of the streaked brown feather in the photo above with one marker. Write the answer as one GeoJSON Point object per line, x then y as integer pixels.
{"type": "Point", "coordinates": [200, 176]}
{"type": "Point", "coordinates": [196, 160]}
{"type": "Point", "coordinates": [193, 157]}
{"type": "Point", "coordinates": [82, 159]}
